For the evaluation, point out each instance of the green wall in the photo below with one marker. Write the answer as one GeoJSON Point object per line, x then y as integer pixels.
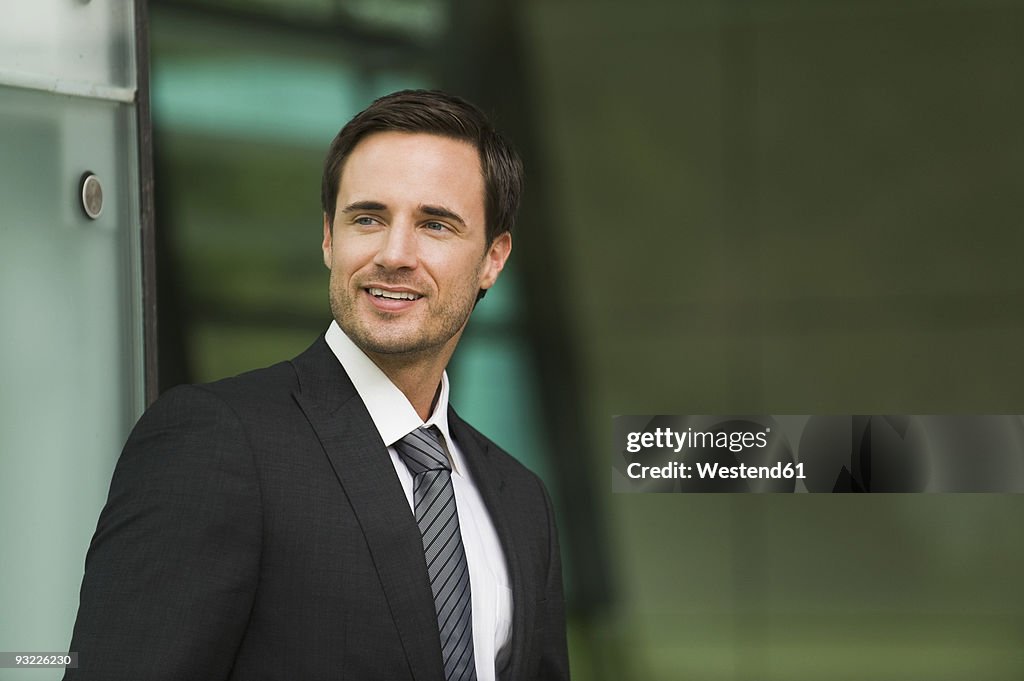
{"type": "Point", "coordinates": [791, 207]}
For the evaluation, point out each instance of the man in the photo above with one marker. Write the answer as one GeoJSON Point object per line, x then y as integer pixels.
{"type": "Point", "coordinates": [331, 517]}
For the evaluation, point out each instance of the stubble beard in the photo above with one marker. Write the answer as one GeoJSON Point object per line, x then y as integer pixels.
{"type": "Point", "coordinates": [374, 333]}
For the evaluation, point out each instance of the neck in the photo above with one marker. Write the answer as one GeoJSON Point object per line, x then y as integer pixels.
{"type": "Point", "coordinates": [419, 378]}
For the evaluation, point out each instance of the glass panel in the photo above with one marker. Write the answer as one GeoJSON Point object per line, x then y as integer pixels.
{"type": "Point", "coordinates": [70, 351]}
{"type": "Point", "coordinates": [89, 42]}
{"type": "Point", "coordinates": [418, 19]}
{"type": "Point", "coordinates": [229, 97]}
{"type": "Point", "coordinates": [228, 81]}
{"type": "Point", "coordinates": [494, 388]}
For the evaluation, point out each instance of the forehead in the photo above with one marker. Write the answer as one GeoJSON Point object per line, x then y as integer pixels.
{"type": "Point", "coordinates": [400, 168]}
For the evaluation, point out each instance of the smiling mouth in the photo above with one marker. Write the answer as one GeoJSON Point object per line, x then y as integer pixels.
{"type": "Point", "coordinates": [392, 295]}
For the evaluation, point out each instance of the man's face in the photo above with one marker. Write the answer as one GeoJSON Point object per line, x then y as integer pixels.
{"type": "Point", "coordinates": [408, 252]}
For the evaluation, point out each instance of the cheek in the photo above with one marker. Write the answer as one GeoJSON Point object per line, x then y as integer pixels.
{"type": "Point", "coordinates": [456, 274]}
{"type": "Point", "coordinates": [341, 275]}
{"type": "Point", "coordinates": [346, 260]}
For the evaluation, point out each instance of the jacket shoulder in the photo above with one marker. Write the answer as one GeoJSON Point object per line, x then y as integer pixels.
{"type": "Point", "coordinates": [260, 389]}
{"type": "Point", "coordinates": [257, 385]}
{"type": "Point", "coordinates": [512, 469]}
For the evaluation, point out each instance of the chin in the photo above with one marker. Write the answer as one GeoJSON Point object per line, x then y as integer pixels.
{"type": "Point", "coordinates": [388, 345]}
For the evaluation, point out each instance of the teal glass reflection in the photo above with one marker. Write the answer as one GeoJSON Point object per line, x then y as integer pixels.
{"type": "Point", "coordinates": [70, 348]}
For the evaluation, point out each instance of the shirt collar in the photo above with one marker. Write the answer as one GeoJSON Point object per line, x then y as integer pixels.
{"type": "Point", "coordinates": [392, 413]}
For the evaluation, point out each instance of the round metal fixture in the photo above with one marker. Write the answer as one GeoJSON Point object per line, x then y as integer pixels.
{"type": "Point", "coordinates": [92, 195]}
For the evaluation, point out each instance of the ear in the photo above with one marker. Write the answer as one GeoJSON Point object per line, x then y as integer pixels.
{"type": "Point", "coordinates": [494, 259]}
{"type": "Point", "coordinates": [327, 242]}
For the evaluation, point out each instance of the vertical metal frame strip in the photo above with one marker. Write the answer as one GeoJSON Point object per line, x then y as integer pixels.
{"type": "Point", "coordinates": [146, 205]}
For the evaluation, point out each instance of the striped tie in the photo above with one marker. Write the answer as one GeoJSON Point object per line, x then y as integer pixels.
{"type": "Point", "coordinates": [438, 520]}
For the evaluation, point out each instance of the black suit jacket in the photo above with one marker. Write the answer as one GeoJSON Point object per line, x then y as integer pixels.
{"type": "Point", "coordinates": [255, 529]}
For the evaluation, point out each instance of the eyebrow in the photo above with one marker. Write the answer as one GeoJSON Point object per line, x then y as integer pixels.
{"type": "Point", "coordinates": [363, 205]}
{"type": "Point", "coordinates": [442, 212]}
{"type": "Point", "coordinates": [433, 211]}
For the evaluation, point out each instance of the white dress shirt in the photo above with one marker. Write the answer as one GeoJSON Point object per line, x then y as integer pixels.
{"type": "Point", "coordinates": [394, 417]}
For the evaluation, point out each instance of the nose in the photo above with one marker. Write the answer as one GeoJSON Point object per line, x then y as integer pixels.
{"type": "Point", "coordinates": [398, 247]}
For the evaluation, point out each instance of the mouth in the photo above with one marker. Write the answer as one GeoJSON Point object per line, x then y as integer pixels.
{"type": "Point", "coordinates": [385, 294]}
{"type": "Point", "coordinates": [391, 300]}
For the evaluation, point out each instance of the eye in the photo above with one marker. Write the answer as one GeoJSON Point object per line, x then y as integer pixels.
{"type": "Point", "coordinates": [436, 226]}
{"type": "Point", "coordinates": [365, 220]}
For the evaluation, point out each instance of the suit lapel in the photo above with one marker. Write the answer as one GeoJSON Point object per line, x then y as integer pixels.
{"type": "Point", "coordinates": [490, 484]}
{"type": "Point", "coordinates": [363, 467]}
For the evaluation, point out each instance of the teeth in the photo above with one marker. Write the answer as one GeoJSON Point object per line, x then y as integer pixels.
{"type": "Point", "coordinates": [393, 295]}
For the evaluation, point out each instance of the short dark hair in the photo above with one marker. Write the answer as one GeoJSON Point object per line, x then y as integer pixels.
{"type": "Point", "coordinates": [437, 113]}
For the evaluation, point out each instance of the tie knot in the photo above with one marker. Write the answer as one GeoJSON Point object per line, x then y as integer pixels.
{"type": "Point", "coordinates": [421, 451]}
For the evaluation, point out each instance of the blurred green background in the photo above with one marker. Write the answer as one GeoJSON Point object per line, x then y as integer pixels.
{"type": "Point", "coordinates": [733, 207]}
